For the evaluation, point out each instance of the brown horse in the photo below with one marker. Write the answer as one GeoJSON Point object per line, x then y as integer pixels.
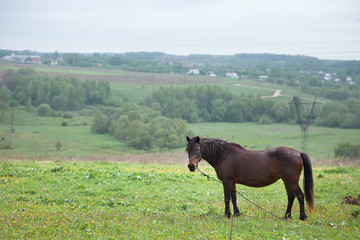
{"type": "Point", "coordinates": [234, 164]}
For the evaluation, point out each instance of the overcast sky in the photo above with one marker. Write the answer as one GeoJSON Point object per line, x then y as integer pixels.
{"type": "Point", "coordinates": [327, 29]}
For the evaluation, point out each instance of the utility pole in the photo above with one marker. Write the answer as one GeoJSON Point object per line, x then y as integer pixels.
{"type": "Point", "coordinates": [12, 104]}
{"type": "Point", "coordinates": [304, 123]}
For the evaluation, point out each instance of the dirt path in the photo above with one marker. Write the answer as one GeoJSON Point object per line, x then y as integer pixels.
{"type": "Point", "coordinates": [276, 93]}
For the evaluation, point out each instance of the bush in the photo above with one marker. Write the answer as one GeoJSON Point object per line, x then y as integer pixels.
{"type": "Point", "coordinates": [44, 110]}
{"type": "Point", "coordinates": [5, 147]}
{"type": "Point", "coordinates": [68, 115]}
{"type": "Point", "coordinates": [100, 123]}
{"type": "Point", "coordinates": [58, 146]}
{"type": "Point", "coordinates": [264, 120]}
{"type": "Point", "coordinates": [347, 149]}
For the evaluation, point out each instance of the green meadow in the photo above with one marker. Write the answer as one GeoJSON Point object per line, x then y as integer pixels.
{"type": "Point", "coordinates": [109, 200]}
{"type": "Point", "coordinates": [36, 137]}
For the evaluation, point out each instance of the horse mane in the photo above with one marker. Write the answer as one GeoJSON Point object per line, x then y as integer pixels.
{"type": "Point", "coordinates": [212, 148]}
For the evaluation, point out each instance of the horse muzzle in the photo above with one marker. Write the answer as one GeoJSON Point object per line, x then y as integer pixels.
{"type": "Point", "coordinates": [193, 165]}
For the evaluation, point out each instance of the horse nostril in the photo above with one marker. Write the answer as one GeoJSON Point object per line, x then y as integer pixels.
{"type": "Point", "coordinates": [191, 167]}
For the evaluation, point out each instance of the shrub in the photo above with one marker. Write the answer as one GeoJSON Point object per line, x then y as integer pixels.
{"type": "Point", "coordinates": [100, 124]}
{"type": "Point", "coordinates": [264, 119]}
{"type": "Point", "coordinates": [58, 145]}
{"type": "Point", "coordinates": [44, 110]}
{"type": "Point", "coordinates": [5, 147]}
{"type": "Point", "coordinates": [347, 149]}
{"type": "Point", "coordinates": [68, 115]}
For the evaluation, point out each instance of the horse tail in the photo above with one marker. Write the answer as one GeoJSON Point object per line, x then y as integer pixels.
{"type": "Point", "coordinates": [308, 181]}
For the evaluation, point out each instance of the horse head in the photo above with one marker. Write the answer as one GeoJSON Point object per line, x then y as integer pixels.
{"type": "Point", "coordinates": [194, 151]}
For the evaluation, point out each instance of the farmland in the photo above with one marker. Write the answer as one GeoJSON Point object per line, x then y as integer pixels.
{"type": "Point", "coordinates": [136, 85]}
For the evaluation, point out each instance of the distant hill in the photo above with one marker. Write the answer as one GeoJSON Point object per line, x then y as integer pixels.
{"type": "Point", "coordinates": [167, 63]}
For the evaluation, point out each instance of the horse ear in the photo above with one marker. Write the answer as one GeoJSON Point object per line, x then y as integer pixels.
{"type": "Point", "coordinates": [197, 139]}
{"type": "Point", "coordinates": [187, 138]}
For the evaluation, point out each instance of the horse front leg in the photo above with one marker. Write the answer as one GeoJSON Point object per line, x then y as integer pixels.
{"type": "Point", "coordinates": [233, 199]}
{"type": "Point", "coordinates": [227, 195]}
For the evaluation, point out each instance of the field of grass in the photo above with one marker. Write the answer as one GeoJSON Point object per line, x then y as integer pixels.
{"type": "Point", "coordinates": [36, 137]}
{"type": "Point", "coordinates": [61, 70]}
{"type": "Point", "coordinates": [109, 200]}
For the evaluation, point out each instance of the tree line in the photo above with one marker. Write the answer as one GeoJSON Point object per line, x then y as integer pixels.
{"type": "Point", "coordinates": [61, 93]}
{"type": "Point", "coordinates": [209, 103]}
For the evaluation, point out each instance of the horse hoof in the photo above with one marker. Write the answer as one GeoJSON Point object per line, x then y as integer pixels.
{"type": "Point", "coordinates": [237, 214]}
{"type": "Point", "coordinates": [303, 218]}
{"type": "Point", "coordinates": [287, 216]}
{"type": "Point", "coordinates": [227, 215]}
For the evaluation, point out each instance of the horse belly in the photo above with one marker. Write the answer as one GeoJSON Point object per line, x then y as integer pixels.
{"type": "Point", "coordinates": [258, 175]}
{"type": "Point", "coordinates": [258, 180]}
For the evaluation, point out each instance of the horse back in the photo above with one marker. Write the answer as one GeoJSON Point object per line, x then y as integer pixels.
{"type": "Point", "coordinates": [260, 168]}
{"type": "Point", "coordinates": [250, 168]}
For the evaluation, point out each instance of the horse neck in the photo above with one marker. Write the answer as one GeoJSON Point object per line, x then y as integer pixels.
{"type": "Point", "coordinates": [210, 153]}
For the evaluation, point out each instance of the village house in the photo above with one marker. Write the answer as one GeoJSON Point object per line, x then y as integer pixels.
{"type": "Point", "coordinates": [33, 59]}
{"type": "Point", "coordinates": [263, 78]}
{"type": "Point", "coordinates": [211, 74]}
{"type": "Point", "coordinates": [231, 75]}
{"type": "Point", "coordinates": [193, 72]}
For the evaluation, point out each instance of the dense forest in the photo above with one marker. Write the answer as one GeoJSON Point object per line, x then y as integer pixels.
{"type": "Point", "coordinates": [213, 104]}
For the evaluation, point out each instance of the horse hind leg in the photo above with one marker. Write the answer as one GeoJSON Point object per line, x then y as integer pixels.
{"type": "Point", "coordinates": [300, 196]}
{"type": "Point", "coordinates": [291, 197]}
{"type": "Point", "coordinates": [294, 190]}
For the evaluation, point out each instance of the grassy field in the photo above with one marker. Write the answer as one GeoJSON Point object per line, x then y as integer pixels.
{"type": "Point", "coordinates": [36, 137]}
{"type": "Point", "coordinates": [104, 200]}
